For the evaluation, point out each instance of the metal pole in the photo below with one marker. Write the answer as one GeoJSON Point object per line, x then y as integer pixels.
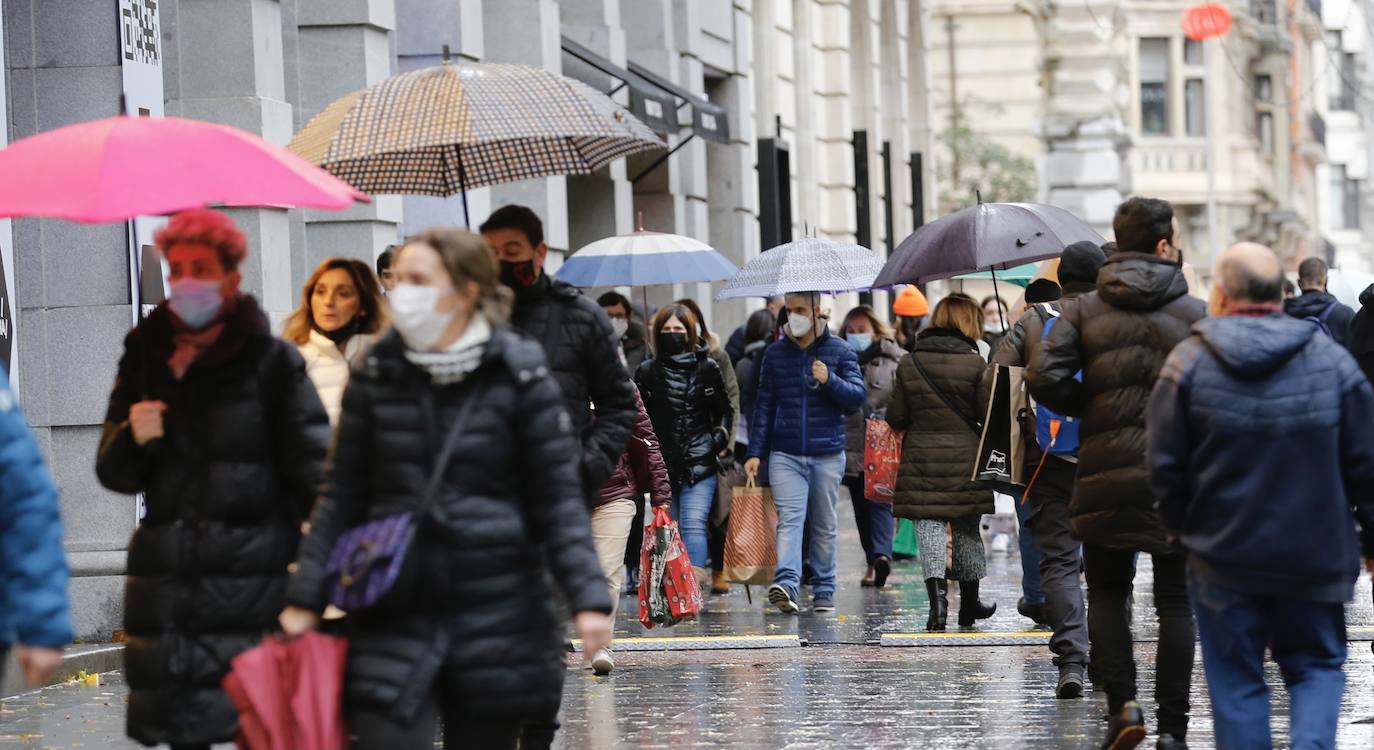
{"type": "Point", "coordinates": [1211, 154]}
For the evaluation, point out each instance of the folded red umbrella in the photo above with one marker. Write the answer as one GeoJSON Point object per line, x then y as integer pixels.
{"type": "Point", "coordinates": [121, 167]}
{"type": "Point", "coordinates": [289, 694]}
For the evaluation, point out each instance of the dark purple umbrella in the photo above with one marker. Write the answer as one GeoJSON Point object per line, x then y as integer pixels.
{"type": "Point", "coordinates": [985, 237]}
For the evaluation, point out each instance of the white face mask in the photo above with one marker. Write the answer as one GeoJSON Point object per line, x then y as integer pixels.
{"type": "Point", "coordinates": [415, 317]}
{"type": "Point", "coordinates": [798, 325]}
{"type": "Point", "coordinates": [620, 326]}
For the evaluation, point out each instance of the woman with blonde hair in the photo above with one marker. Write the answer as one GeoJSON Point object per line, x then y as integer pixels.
{"type": "Point", "coordinates": [456, 419]}
{"type": "Point", "coordinates": [879, 354]}
{"type": "Point", "coordinates": [339, 318]}
{"type": "Point", "coordinates": [934, 401]}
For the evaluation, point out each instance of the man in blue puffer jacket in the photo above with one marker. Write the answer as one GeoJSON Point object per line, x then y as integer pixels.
{"type": "Point", "coordinates": [1261, 454]}
{"type": "Point", "coordinates": [807, 381]}
{"type": "Point", "coordinates": [33, 567]}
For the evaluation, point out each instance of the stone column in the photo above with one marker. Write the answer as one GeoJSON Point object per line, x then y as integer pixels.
{"type": "Point", "coordinates": [1084, 127]}
{"type": "Point", "coordinates": [345, 46]}
{"type": "Point", "coordinates": [72, 293]}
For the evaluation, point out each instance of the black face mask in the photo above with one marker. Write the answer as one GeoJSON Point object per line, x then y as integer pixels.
{"type": "Point", "coordinates": [519, 274]}
{"type": "Point", "coordinates": [672, 344]}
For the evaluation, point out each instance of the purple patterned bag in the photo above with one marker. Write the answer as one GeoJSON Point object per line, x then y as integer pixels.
{"type": "Point", "coordinates": [367, 559]}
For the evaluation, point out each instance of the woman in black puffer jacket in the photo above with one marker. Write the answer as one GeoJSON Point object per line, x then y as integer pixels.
{"type": "Point", "coordinates": [213, 419]}
{"type": "Point", "coordinates": [686, 399]}
{"type": "Point", "coordinates": [935, 401]}
{"type": "Point", "coordinates": [470, 634]}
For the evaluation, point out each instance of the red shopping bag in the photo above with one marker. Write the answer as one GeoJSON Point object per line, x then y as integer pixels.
{"type": "Point", "coordinates": [289, 694]}
{"type": "Point", "coordinates": [668, 589]}
{"type": "Point", "coordinates": [882, 455]}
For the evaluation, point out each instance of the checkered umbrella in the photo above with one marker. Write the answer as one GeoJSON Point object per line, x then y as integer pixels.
{"type": "Point", "coordinates": [443, 130]}
{"type": "Point", "coordinates": [806, 265]}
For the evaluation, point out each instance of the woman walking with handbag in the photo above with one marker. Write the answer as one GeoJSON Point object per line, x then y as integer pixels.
{"type": "Point", "coordinates": [454, 477]}
{"type": "Point", "coordinates": [685, 396]}
{"type": "Point", "coordinates": [879, 355]}
{"type": "Point", "coordinates": [934, 401]}
{"type": "Point", "coordinates": [213, 420]}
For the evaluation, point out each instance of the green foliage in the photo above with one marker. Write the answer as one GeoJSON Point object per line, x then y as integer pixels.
{"type": "Point", "coordinates": [975, 162]}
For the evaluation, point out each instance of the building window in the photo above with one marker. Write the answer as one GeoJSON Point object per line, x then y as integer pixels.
{"type": "Point", "coordinates": [1195, 107]}
{"type": "Point", "coordinates": [1264, 88]}
{"type": "Point", "coordinates": [1154, 86]}
{"type": "Point", "coordinates": [1345, 199]}
{"type": "Point", "coordinates": [1340, 74]}
{"type": "Point", "coordinates": [1192, 52]}
{"type": "Point", "coordinates": [1264, 131]}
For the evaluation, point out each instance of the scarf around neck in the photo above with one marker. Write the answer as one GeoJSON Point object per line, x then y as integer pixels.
{"type": "Point", "coordinates": [455, 362]}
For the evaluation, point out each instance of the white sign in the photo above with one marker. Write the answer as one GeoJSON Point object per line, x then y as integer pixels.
{"type": "Point", "coordinates": [140, 38]}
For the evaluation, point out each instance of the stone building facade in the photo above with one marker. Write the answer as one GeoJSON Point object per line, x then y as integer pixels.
{"type": "Point", "coordinates": [771, 92]}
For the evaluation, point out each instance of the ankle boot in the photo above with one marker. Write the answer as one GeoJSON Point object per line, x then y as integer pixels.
{"type": "Point", "coordinates": [970, 609]}
{"type": "Point", "coordinates": [938, 591]}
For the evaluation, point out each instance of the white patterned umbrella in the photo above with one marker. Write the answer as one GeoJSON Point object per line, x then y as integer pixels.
{"type": "Point", "coordinates": [444, 130]}
{"type": "Point", "coordinates": [806, 265]}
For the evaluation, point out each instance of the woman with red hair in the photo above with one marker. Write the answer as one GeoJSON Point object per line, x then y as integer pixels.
{"type": "Point", "coordinates": [212, 418]}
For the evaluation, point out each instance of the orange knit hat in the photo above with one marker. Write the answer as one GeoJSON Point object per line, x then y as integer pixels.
{"type": "Point", "coordinates": [911, 303]}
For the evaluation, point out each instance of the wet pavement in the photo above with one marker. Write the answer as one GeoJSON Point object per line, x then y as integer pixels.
{"type": "Point", "coordinates": [842, 689]}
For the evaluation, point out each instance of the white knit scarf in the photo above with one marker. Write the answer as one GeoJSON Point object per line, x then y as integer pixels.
{"type": "Point", "coordinates": [456, 361]}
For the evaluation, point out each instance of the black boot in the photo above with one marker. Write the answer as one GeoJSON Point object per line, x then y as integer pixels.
{"type": "Point", "coordinates": [970, 609]}
{"type": "Point", "coordinates": [938, 591]}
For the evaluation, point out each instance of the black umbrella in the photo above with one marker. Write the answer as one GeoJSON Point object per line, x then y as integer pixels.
{"type": "Point", "coordinates": [986, 237]}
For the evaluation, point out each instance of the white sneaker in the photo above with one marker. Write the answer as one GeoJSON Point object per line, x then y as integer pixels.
{"type": "Point", "coordinates": [602, 663]}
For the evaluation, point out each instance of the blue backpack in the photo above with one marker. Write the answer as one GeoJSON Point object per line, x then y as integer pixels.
{"type": "Point", "coordinates": [1056, 434]}
{"type": "Point", "coordinates": [1320, 319]}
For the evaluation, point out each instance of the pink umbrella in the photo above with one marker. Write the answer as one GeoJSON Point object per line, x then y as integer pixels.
{"type": "Point", "coordinates": [120, 167]}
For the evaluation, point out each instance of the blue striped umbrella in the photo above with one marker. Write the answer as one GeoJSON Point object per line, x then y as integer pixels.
{"type": "Point", "coordinates": [645, 259]}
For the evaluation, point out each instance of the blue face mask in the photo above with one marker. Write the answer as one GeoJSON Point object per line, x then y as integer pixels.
{"type": "Point", "coordinates": [196, 301]}
{"type": "Point", "coordinates": [860, 341]}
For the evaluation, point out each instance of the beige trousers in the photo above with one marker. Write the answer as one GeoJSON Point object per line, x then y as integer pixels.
{"type": "Point", "coordinates": [610, 529]}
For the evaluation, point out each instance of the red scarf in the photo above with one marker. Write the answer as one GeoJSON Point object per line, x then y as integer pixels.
{"type": "Point", "coordinates": [189, 345]}
{"type": "Point", "coordinates": [1255, 311]}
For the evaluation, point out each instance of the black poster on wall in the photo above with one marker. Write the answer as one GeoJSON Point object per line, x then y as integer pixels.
{"type": "Point", "coordinates": [6, 319]}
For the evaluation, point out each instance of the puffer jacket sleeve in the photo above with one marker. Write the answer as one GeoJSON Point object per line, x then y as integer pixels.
{"type": "Point", "coordinates": [1357, 451]}
{"type": "Point", "coordinates": [846, 384]}
{"type": "Point", "coordinates": [32, 562]}
{"type": "Point", "coordinates": [1051, 369]}
{"type": "Point", "coordinates": [898, 414]}
{"type": "Point", "coordinates": [1167, 446]}
{"type": "Point", "coordinates": [610, 389]}
{"type": "Point", "coordinates": [650, 473]}
{"type": "Point", "coordinates": [301, 429]}
{"type": "Point", "coordinates": [557, 512]}
{"type": "Point", "coordinates": [343, 501]}
{"type": "Point", "coordinates": [765, 407]}
{"type": "Point", "coordinates": [121, 464]}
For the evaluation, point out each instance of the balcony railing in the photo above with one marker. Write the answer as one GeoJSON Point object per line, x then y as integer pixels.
{"type": "Point", "coordinates": [1170, 157]}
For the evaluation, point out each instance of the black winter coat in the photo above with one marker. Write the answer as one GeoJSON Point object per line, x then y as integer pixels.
{"type": "Point", "coordinates": [226, 489]}
{"type": "Point", "coordinates": [475, 609]}
{"type": "Point", "coordinates": [933, 479]}
{"type": "Point", "coordinates": [1312, 303]}
{"type": "Point", "coordinates": [879, 366]}
{"type": "Point", "coordinates": [1119, 337]}
{"type": "Point", "coordinates": [1361, 342]}
{"type": "Point", "coordinates": [584, 357]}
{"type": "Point", "coordinates": [686, 398]}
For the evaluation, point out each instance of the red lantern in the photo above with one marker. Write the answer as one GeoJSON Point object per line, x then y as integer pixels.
{"type": "Point", "coordinates": [1206, 21]}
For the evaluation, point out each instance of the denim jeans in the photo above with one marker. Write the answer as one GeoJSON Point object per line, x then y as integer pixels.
{"type": "Point", "coordinates": [806, 490]}
{"type": "Point", "coordinates": [874, 521]}
{"type": "Point", "coordinates": [692, 509]}
{"type": "Point", "coordinates": [1030, 557]}
{"type": "Point", "coordinates": [1308, 642]}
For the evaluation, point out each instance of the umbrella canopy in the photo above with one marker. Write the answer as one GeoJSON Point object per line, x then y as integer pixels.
{"type": "Point", "coordinates": [289, 693]}
{"type": "Point", "coordinates": [121, 167]}
{"type": "Point", "coordinates": [1021, 275]}
{"type": "Point", "coordinates": [806, 265]}
{"type": "Point", "coordinates": [987, 236]}
{"type": "Point", "coordinates": [644, 259]}
{"type": "Point", "coordinates": [443, 130]}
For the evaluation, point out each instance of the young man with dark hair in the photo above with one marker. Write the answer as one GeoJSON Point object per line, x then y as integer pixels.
{"type": "Point", "coordinates": [1116, 339]}
{"type": "Point", "coordinates": [1318, 304]}
{"type": "Point", "coordinates": [384, 272]}
{"type": "Point", "coordinates": [629, 332]}
{"type": "Point", "coordinates": [583, 354]}
{"type": "Point", "coordinates": [1273, 553]}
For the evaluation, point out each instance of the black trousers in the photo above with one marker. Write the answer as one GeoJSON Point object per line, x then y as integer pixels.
{"type": "Point", "coordinates": [1111, 576]}
{"type": "Point", "coordinates": [375, 729]}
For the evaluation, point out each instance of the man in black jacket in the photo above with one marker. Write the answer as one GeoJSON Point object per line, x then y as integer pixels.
{"type": "Point", "coordinates": [1317, 303]}
{"type": "Point", "coordinates": [630, 332]}
{"type": "Point", "coordinates": [577, 337]}
{"type": "Point", "coordinates": [1273, 553]}
{"type": "Point", "coordinates": [1361, 342]}
{"type": "Point", "coordinates": [1047, 509]}
{"type": "Point", "coordinates": [1117, 338]}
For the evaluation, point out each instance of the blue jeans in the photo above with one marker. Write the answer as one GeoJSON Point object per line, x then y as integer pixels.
{"type": "Point", "coordinates": [1308, 643]}
{"type": "Point", "coordinates": [692, 510]}
{"type": "Point", "coordinates": [1030, 557]}
{"type": "Point", "coordinates": [806, 490]}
